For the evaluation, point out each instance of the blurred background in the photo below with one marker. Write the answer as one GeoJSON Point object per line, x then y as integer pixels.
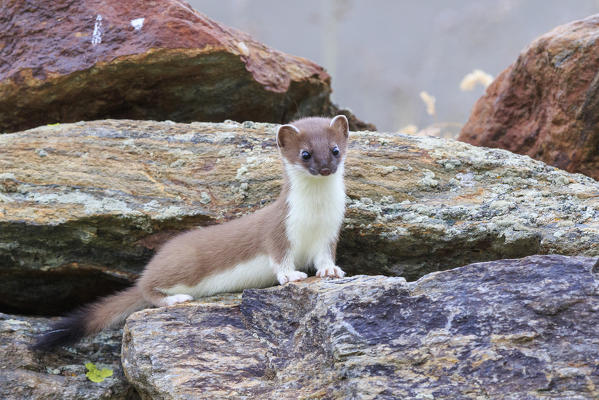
{"type": "Point", "coordinates": [383, 54]}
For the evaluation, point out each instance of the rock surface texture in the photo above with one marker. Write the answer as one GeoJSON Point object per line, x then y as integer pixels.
{"type": "Point", "coordinates": [61, 373]}
{"type": "Point", "coordinates": [144, 60]}
{"type": "Point", "coordinates": [514, 329]}
{"type": "Point", "coordinates": [546, 104]}
{"type": "Point", "coordinates": [83, 206]}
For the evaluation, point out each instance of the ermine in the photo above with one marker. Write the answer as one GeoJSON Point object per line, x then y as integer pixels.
{"type": "Point", "coordinates": [296, 232]}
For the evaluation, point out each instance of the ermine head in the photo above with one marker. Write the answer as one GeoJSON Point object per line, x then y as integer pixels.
{"type": "Point", "coordinates": [317, 145]}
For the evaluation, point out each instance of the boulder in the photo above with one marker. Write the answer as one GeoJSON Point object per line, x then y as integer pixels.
{"type": "Point", "coordinates": [546, 104]}
{"type": "Point", "coordinates": [60, 374]}
{"type": "Point", "coordinates": [522, 328]}
{"type": "Point", "coordinates": [158, 60]}
{"type": "Point", "coordinates": [83, 206]}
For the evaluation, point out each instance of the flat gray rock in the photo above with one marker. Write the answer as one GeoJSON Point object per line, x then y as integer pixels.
{"type": "Point", "coordinates": [510, 329]}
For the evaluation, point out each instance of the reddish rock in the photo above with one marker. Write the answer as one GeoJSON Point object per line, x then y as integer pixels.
{"type": "Point", "coordinates": [546, 105]}
{"type": "Point", "coordinates": [72, 60]}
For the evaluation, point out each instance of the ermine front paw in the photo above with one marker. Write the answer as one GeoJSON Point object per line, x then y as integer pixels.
{"type": "Point", "coordinates": [290, 276]}
{"type": "Point", "coordinates": [176, 299]}
{"type": "Point", "coordinates": [332, 271]}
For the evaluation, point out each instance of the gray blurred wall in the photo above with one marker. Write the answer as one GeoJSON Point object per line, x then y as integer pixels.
{"type": "Point", "coordinates": [382, 53]}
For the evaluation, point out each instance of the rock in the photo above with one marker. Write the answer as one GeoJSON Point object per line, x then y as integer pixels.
{"type": "Point", "coordinates": [83, 220]}
{"type": "Point", "coordinates": [546, 104]}
{"type": "Point", "coordinates": [504, 329]}
{"type": "Point", "coordinates": [61, 373]}
{"type": "Point", "coordinates": [144, 60]}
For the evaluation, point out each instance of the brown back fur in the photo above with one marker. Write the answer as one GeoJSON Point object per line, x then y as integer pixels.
{"type": "Point", "coordinates": [194, 255]}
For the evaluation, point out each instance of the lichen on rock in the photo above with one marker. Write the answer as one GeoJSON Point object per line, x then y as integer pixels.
{"type": "Point", "coordinates": [109, 192]}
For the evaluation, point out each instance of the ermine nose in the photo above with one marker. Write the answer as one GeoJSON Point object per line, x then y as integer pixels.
{"type": "Point", "coordinates": [325, 171]}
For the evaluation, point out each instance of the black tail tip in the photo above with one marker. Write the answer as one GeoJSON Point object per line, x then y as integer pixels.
{"type": "Point", "coordinates": [66, 331]}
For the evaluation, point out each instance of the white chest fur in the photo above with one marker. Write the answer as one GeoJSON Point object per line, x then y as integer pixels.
{"type": "Point", "coordinates": [316, 207]}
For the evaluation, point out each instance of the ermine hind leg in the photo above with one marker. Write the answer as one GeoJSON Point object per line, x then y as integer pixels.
{"type": "Point", "coordinates": [176, 299]}
{"type": "Point", "coordinates": [159, 299]}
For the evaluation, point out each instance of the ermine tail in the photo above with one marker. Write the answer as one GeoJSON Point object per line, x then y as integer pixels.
{"type": "Point", "coordinates": [91, 319]}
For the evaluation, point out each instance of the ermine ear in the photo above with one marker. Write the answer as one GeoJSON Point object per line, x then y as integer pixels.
{"type": "Point", "coordinates": [340, 124]}
{"type": "Point", "coordinates": [285, 133]}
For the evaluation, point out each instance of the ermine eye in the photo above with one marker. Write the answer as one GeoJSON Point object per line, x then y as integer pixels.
{"type": "Point", "coordinates": [306, 155]}
{"type": "Point", "coordinates": [335, 151]}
